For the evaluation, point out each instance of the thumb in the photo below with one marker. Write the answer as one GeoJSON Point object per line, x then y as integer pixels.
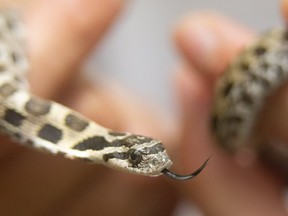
{"type": "Point", "coordinates": [61, 34]}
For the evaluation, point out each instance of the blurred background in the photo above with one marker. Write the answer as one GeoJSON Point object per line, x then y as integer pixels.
{"type": "Point", "coordinates": [139, 52]}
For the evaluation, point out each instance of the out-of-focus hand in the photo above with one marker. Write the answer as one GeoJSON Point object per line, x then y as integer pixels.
{"type": "Point", "coordinates": [208, 43]}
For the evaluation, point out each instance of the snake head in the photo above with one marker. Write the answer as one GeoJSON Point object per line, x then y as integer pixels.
{"type": "Point", "coordinates": [145, 156]}
{"type": "Point", "coordinates": [139, 154]}
{"type": "Point", "coordinates": [150, 158]}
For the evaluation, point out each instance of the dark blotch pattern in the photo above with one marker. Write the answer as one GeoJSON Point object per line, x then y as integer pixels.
{"type": "Point", "coordinates": [260, 80]}
{"type": "Point", "coordinates": [50, 133]}
{"type": "Point", "coordinates": [227, 89]}
{"type": "Point", "coordinates": [37, 107]}
{"type": "Point", "coordinates": [75, 123]}
{"type": "Point", "coordinates": [244, 66]}
{"type": "Point", "coordinates": [99, 142]}
{"type": "Point", "coordinates": [130, 141]}
{"type": "Point", "coordinates": [88, 160]}
{"type": "Point", "coordinates": [247, 99]}
{"type": "Point", "coordinates": [92, 143]}
{"type": "Point", "coordinates": [234, 119]}
{"type": "Point", "coordinates": [154, 149]}
{"type": "Point", "coordinates": [14, 118]}
{"type": "Point", "coordinates": [117, 155]}
{"type": "Point", "coordinates": [260, 50]}
{"type": "Point", "coordinates": [253, 77]}
{"type": "Point", "coordinates": [114, 133]}
{"type": "Point", "coordinates": [214, 122]}
{"type": "Point", "coordinates": [135, 139]}
{"type": "Point", "coordinates": [7, 90]}
{"type": "Point", "coordinates": [264, 66]}
{"type": "Point", "coordinates": [264, 83]}
{"type": "Point", "coordinates": [15, 57]}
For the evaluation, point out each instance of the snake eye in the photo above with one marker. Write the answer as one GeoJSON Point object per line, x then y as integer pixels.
{"type": "Point", "coordinates": [135, 157]}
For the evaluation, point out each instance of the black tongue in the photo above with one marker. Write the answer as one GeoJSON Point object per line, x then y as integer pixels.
{"type": "Point", "coordinates": [184, 177]}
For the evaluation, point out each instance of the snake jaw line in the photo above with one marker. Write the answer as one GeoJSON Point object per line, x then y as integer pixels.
{"type": "Point", "coordinates": [175, 176]}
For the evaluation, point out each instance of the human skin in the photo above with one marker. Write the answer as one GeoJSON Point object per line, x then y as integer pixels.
{"type": "Point", "coordinates": [229, 185]}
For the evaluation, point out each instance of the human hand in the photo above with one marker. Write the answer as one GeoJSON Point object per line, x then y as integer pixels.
{"type": "Point", "coordinates": [226, 187]}
{"type": "Point", "coordinates": [60, 35]}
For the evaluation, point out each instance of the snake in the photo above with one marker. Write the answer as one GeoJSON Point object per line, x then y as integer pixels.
{"type": "Point", "coordinates": [241, 92]}
{"type": "Point", "coordinates": [48, 126]}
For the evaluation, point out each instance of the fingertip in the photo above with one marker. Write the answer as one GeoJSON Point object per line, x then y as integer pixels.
{"type": "Point", "coordinates": [209, 40]}
{"type": "Point", "coordinates": [60, 36]}
{"type": "Point", "coordinates": [195, 39]}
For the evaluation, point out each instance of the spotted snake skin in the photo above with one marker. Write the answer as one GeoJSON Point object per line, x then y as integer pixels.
{"type": "Point", "coordinates": [241, 92]}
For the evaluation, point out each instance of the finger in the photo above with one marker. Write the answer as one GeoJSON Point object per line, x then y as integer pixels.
{"type": "Point", "coordinates": [61, 34]}
{"type": "Point", "coordinates": [199, 36]}
{"type": "Point", "coordinates": [223, 180]}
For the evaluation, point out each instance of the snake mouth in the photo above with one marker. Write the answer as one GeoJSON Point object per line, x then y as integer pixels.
{"type": "Point", "coordinates": [175, 176]}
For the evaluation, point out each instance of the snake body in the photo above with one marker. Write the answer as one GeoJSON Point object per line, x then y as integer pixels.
{"type": "Point", "coordinates": [50, 126]}
{"type": "Point", "coordinates": [244, 86]}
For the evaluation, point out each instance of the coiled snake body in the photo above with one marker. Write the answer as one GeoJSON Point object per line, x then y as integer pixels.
{"type": "Point", "coordinates": [242, 90]}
